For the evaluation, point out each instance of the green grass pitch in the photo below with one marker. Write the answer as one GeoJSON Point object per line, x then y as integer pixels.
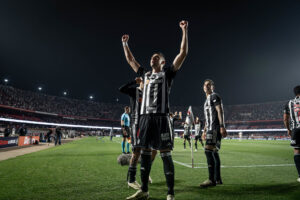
{"type": "Point", "coordinates": [87, 169]}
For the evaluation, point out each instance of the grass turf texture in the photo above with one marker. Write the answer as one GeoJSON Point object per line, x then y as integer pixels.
{"type": "Point", "coordinates": [88, 169]}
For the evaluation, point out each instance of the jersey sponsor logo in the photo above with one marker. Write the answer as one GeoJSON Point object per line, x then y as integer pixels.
{"type": "Point", "coordinates": [165, 136]}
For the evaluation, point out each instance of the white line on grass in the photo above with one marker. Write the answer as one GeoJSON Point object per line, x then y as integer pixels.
{"type": "Point", "coordinates": [238, 166]}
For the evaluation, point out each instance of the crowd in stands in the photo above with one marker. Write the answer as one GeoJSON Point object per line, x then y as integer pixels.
{"type": "Point", "coordinates": [73, 111]}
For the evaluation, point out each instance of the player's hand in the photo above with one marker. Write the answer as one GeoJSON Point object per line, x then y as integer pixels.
{"type": "Point", "coordinates": [223, 132]}
{"type": "Point", "coordinates": [125, 38]}
{"type": "Point", "coordinates": [138, 80]}
{"type": "Point", "coordinates": [183, 24]}
{"type": "Point", "coordinates": [289, 133]}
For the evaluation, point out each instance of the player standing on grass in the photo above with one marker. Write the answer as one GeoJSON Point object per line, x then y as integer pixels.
{"type": "Point", "coordinates": [187, 134]}
{"type": "Point", "coordinates": [135, 94]}
{"type": "Point", "coordinates": [198, 132]}
{"type": "Point", "coordinates": [155, 126]}
{"type": "Point", "coordinates": [292, 116]}
{"type": "Point", "coordinates": [125, 123]}
{"type": "Point", "coordinates": [213, 132]}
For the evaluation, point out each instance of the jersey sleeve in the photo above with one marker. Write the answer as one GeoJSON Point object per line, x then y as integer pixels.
{"type": "Point", "coordinates": [123, 117]}
{"type": "Point", "coordinates": [129, 88]}
{"type": "Point", "coordinates": [286, 109]}
{"type": "Point", "coordinates": [170, 73]}
{"type": "Point", "coordinates": [141, 72]}
{"type": "Point", "coordinates": [216, 100]}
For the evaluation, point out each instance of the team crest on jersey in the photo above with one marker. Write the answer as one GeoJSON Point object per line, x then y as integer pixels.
{"type": "Point", "coordinates": [293, 142]}
{"type": "Point", "coordinates": [165, 136]}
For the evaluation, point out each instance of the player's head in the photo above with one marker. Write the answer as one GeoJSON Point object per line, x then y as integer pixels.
{"type": "Point", "coordinates": [197, 119]}
{"type": "Point", "coordinates": [297, 90]}
{"type": "Point", "coordinates": [126, 109]}
{"type": "Point", "coordinates": [208, 86]}
{"type": "Point", "coordinates": [157, 61]}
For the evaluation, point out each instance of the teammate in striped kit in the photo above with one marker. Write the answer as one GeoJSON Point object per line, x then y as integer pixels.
{"type": "Point", "coordinates": [213, 132]}
{"type": "Point", "coordinates": [155, 126]}
{"type": "Point", "coordinates": [292, 116]}
{"type": "Point", "coordinates": [186, 134]}
{"type": "Point", "coordinates": [135, 93]}
{"type": "Point", "coordinates": [198, 132]}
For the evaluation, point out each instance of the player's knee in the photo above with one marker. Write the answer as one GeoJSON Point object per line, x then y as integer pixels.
{"type": "Point", "coordinates": [296, 151]}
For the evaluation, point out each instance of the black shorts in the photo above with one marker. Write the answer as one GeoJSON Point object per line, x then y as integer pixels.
{"type": "Point", "coordinates": [155, 132]}
{"type": "Point", "coordinates": [295, 139]}
{"type": "Point", "coordinates": [213, 137]}
{"type": "Point", "coordinates": [127, 135]}
{"type": "Point", "coordinates": [188, 137]}
{"type": "Point", "coordinates": [198, 137]}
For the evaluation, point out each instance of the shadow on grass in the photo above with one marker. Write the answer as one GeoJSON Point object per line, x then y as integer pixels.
{"type": "Point", "coordinates": [286, 190]}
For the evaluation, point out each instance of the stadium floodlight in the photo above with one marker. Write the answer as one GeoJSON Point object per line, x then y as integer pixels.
{"type": "Point", "coordinates": [91, 97]}
{"type": "Point", "coordinates": [40, 88]}
{"type": "Point", "coordinates": [5, 80]}
{"type": "Point", "coordinates": [65, 93]}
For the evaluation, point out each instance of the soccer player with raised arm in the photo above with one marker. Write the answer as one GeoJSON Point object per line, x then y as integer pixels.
{"type": "Point", "coordinates": [292, 117]}
{"type": "Point", "coordinates": [213, 131]}
{"type": "Point", "coordinates": [154, 124]}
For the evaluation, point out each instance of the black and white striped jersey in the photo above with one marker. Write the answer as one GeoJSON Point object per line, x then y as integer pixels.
{"type": "Point", "coordinates": [135, 95]}
{"type": "Point", "coordinates": [210, 112]}
{"type": "Point", "coordinates": [156, 91]}
{"type": "Point", "coordinates": [292, 108]}
{"type": "Point", "coordinates": [198, 128]}
{"type": "Point", "coordinates": [187, 129]}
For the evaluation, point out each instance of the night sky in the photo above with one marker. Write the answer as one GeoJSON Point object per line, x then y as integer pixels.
{"type": "Point", "coordinates": [251, 49]}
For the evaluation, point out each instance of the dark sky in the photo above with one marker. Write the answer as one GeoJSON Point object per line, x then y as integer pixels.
{"type": "Point", "coordinates": [251, 49]}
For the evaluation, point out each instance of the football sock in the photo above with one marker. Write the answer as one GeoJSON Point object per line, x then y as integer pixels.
{"type": "Point", "coordinates": [145, 169]}
{"type": "Point", "coordinates": [218, 166]}
{"type": "Point", "coordinates": [211, 164]}
{"type": "Point", "coordinates": [123, 146]}
{"type": "Point", "coordinates": [297, 162]}
{"type": "Point", "coordinates": [169, 170]}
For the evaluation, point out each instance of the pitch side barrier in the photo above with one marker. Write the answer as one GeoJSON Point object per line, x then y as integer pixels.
{"type": "Point", "coordinates": [118, 128]}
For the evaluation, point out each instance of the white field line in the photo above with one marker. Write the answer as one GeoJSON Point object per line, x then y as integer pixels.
{"type": "Point", "coordinates": [237, 166]}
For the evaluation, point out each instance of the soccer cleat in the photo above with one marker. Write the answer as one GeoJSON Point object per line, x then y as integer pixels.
{"type": "Point", "coordinates": [298, 179]}
{"type": "Point", "coordinates": [219, 182]}
{"type": "Point", "coordinates": [139, 195]}
{"type": "Point", "coordinates": [135, 185]}
{"type": "Point", "coordinates": [170, 197]}
{"type": "Point", "coordinates": [150, 180]}
{"type": "Point", "coordinates": [208, 183]}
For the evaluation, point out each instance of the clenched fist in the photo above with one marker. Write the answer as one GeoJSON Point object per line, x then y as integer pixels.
{"type": "Point", "coordinates": [125, 38]}
{"type": "Point", "coordinates": [183, 24]}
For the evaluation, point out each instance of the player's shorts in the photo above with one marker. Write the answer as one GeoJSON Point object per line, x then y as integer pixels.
{"type": "Point", "coordinates": [127, 129]}
{"type": "Point", "coordinates": [213, 137]}
{"type": "Point", "coordinates": [188, 137]}
{"type": "Point", "coordinates": [295, 139]}
{"type": "Point", "coordinates": [198, 137]}
{"type": "Point", "coordinates": [155, 132]}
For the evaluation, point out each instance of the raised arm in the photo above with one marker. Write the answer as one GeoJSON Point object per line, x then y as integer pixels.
{"type": "Point", "coordinates": [129, 57]}
{"type": "Point", "coordinates": [183, 47]}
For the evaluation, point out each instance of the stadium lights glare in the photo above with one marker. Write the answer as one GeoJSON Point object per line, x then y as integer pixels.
{"type": "Point", "coordinates": [65, 93]}
{"type": "Point", "coordinates": [40, 88]}
{"type": "Point", "coordinates": [6, 80]}
{"type": "Point", "coordinates": [91, 97]}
